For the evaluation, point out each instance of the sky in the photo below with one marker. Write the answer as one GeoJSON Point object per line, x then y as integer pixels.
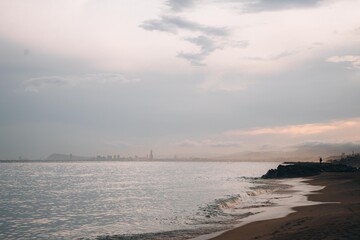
{"type": "Point", "coordinates": [200, 78]}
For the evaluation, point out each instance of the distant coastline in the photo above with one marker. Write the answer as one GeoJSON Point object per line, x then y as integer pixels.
{"type": "Point", "coordinates": [131, 160]}
{"type": "Point", "coordinates": [350, 160]}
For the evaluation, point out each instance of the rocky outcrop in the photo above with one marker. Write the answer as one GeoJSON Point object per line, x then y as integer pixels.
{"type": "Point", "coordinates": [305, 169]}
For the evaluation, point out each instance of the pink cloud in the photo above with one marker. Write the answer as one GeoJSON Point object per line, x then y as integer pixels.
{"type": "Point", "coordinates": [303, 129]}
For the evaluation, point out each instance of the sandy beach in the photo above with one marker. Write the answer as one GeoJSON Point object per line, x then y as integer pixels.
{"type": "Point", "coordinates": [339, 218]}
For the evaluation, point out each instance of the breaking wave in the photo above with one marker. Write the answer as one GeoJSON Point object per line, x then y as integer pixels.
{"type": "Point", "coordinates": [218, 215]}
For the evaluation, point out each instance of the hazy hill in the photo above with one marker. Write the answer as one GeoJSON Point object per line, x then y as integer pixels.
{"type": "Point", "coordinates": [350, 160]}
{"type": "Point", "coordinates": [302, 153]}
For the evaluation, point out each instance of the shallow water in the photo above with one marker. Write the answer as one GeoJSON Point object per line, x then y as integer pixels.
{"type": "Point", "coordinates": [128, 199]}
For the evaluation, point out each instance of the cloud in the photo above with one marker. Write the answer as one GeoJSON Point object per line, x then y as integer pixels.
{"type": "Point", "coordinates": [207, 46]}
{"type": "Point", "coordinates": [353, 60]}
{"type": "Point", "coordinates": [276, 5]}
{"type": "Point", "coordinates": [37, 83]}
{"type": "Point", "coordinates": [299, 130]}
{"type": "Point", "coordinates": [247, 5]}
{"type": "Point", "coordinates": [34, 84]}
{"type": "Point", "coordinates": [179, 5]}
{"type": "Point", "coordinates": [173, 24]}
{"type": "Point", "coordinates": [107, 78]}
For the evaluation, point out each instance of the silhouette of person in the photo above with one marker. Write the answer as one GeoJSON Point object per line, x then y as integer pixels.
{"type": "Point", "coordinates": [320, 160]}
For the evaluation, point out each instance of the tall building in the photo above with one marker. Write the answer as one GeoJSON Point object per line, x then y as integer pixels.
{"type": "Point", "coordinates": [151, 157]}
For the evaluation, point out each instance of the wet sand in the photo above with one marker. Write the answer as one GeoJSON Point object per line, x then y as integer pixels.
{"type": "Point", "coordinates": [339, 219]}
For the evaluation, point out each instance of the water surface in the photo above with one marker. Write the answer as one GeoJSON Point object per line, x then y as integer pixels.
{"type": "Point", "coordinates": [90, 199]}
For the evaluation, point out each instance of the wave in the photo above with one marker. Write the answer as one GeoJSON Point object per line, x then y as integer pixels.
{"type": "Point", "coordinates": [219, 215]}
{"type": "Point", "coordinates": [243, 204]}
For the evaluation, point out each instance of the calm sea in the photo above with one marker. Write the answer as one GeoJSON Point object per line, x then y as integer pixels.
{"type": "Point", "coordinates": [129, 200]}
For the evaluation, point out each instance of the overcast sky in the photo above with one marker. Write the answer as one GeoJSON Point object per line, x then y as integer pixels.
{"type": "Point", "coordinates": [191, 78]}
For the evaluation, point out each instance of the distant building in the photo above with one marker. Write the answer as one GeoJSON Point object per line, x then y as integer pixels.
{"type": "Point", "coordinates": [151, 156]}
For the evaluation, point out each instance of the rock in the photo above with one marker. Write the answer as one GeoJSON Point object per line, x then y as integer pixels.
{"type": "Point", "coordinates": [305, 169]}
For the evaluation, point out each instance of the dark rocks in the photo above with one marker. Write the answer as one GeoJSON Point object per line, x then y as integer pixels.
{"type": "Point", "coordinates": [305, 169]}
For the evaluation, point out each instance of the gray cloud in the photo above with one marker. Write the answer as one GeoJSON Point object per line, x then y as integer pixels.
{"type": "Point", "coordinates": [276, 5]}
{"type": "Point", "coordinates": [207, 46]}
{"type": "Point", "coordinates": [160, 25]}
{"type": "Point", "coordinates": [173, 24]}
{"type": "Point", "coordinates": [194, 58]}
{"type": "Point", "coordinates": [108, 78]}
{"type": "Point", "coordinates": [179, 5]}
{"type": "Point", "coordinates": [37, 83]}
{"type": "Point", "coordinates": [248, 5]}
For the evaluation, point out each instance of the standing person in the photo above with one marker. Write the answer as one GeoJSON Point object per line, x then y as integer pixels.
{"type": "Point", "coordinates": [320, 159]}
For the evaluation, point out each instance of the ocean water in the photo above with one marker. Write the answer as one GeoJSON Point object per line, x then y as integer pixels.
{"type": "Point", "coordinates": [128, 200]}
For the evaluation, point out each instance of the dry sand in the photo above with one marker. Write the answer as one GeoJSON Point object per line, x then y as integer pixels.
{"type": "Point", "coordinates": [325, 221]}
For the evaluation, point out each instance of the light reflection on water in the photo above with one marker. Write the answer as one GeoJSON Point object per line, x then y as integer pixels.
{"type": "Point", "coordinates": [87, 199]}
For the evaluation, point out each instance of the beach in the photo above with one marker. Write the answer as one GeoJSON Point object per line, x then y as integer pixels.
{"type": "Point", "coordinates": [337, 218]}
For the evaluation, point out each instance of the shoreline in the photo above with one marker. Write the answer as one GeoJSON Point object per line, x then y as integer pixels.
{"type": "Point", "coordinates": [335, 215]}
{"type": "Point", "coordinates": [283, 204]}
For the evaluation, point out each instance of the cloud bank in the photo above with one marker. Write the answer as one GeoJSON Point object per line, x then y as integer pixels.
{"type": "Point", "coordinates": [303, 129]}
{"type": "Point", "coordinates": [37, 83]}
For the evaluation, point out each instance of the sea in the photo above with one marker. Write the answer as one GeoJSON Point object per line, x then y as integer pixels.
{"type": "Point", "coordinates": [130, 200]}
